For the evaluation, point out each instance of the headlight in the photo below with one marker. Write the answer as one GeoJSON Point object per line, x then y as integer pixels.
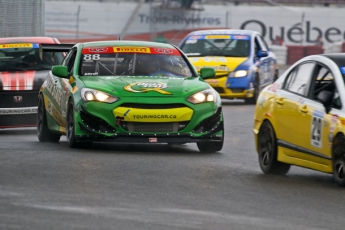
{"type": "Point", "coordinates": [239, 73]}
{"type": "Point", "coordinates": [207, 95]}
{"type": "Point", "coordinates": [95, 95]}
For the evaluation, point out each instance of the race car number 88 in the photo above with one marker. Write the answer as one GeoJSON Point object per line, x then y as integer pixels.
{"type": "Point", "coordinates": [91, 57]}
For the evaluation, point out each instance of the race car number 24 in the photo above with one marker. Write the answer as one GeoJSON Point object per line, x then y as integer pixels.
{"type": "Point", "coordinates": [316, 131]}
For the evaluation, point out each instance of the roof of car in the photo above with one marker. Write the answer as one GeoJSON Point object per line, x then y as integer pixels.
{"type": "Point", "coordinates": [223, 31]}
{"type": "Point", "coordinates": [47, 40]}
{"type": "Point", "coordinates": [126, 43]}
{"type": "Point", "coordinates": [338, 58]}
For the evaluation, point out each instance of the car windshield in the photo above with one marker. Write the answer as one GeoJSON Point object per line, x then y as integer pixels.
{"type": "Point", "coordinates": [134, 64]}
{"type": "Point", "coordinates": [217, 45]}
{"type": "Point", "coordinates": [21, 57]}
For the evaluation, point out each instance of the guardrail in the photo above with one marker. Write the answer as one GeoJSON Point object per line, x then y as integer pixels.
{"type": "Point", "coordinates": [288, 54]}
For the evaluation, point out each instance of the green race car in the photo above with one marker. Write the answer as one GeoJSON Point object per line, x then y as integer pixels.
{"type": "Point", "coordinates": [129, 91]}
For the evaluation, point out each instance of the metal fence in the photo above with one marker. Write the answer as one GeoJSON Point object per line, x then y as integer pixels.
{"type": "Point", "coordinates": [21, 18]}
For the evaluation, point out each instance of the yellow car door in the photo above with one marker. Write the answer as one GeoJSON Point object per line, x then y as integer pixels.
{"type": "Point", "coordinates": [287, 111]}
{"type": "Point", "coordinates": [317, 125]}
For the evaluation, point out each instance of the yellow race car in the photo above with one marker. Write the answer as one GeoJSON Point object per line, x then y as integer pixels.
{"type": "Point", "coordinates": [243, 62]}
{"type": "Point", "coordinates": [300, 118]}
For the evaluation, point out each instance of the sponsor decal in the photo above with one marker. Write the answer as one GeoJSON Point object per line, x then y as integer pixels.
{"type": "Point", "coordinates": [21, 45]}
{"type": "Point", "coordinates": [13, 111]}
{"type": "Point", "coordinates": [98, 49]}
{"type": "Point", "coordinates": [208, 59]}
{"type": "Point", "coordinates": [143, 87]}
{"type": "Point", "coordinates": [217, 37]}
{"type": "Point", "coordinates": [54, 90]}
{"type": "Point", "coordinates": [334, 120]}
{"type": "Point", "coordinates": [154, 116]}
{"type": "Point", "coordinates": [125, 49]}
{"type": "Point", "coordinates": [153, 139]}
{"type": "Point", "coordinates": [274, 87]}
{"type": "Point", "coordinates": [73, 84]}
{"type": "Point", "coordinates": [216, 68]}
{"type": "Point", "coordinates": [164, 51]}
{"type": "Point", "coordinates": [195, 37]}
{"type": "Point", "coordinates": [240, 37]}
{"type": "Point", "coordinates": [301, 100]}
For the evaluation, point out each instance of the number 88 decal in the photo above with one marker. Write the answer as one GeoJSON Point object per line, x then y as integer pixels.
{"type": "Point", "coordinates": [91, 57]}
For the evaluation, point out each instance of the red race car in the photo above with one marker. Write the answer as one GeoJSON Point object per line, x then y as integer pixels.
{"type": "Point", "coordinates": [24, 64]}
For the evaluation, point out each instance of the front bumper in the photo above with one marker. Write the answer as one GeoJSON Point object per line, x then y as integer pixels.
{"type": "Point", "coordinates": [206, 124]}
{"type": "Point", "coordinates": [18, 108]}
{"type": "Point", "coordinates": [232, 88]}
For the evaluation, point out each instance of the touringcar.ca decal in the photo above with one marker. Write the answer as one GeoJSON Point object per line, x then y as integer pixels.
{"type": "Point", "coordinates": [143, 87]}
{"type": "Point", "coordinates": [316, 129]}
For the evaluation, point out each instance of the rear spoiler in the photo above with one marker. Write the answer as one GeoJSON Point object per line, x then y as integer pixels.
{"type": "Point", "coordinates": [56, 47]}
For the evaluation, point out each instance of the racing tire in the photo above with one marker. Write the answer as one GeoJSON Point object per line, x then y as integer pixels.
{"type": "Point", "coordinates": [70, 128]}
{"type": "Point", "coordinates": [70, 131]}
{"type": "Point", "coordinates": [267, 151]}
{"type": "Point", "coordinates": [252, 100]}
{"type": "Point", "coordinates": [43, 132]}
{"type": "Point", "coordinates": [338, 151]}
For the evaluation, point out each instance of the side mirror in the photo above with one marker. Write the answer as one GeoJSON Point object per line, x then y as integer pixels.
{"type": "Point", "coordinates": [60, 71]}
{"type": "Point", "coordinates": [325, 97]}
{"type": "Point", "coordinates": [206, 72]}
{"type": "Point", "coordinates": [262, 53]}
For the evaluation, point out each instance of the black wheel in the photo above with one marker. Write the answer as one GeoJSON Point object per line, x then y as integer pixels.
{"type": "Point", "coordinates": [267, 151]}
{"type": "Point", "coordinates": [70, 128]}
{"type": "Point", "coordinates": [339, 160]}
{"type": "Point", "coordinates": [252, 100]}
{"type": "Point", "coordinates": [43, 132]}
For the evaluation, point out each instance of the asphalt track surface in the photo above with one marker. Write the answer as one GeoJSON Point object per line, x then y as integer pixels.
{"type": "Point", "coordinates": [154, 187]}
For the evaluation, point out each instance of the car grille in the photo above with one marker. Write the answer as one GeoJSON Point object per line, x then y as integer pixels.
{"type": "Point", "coordinates": [154, 127]}
{"type": "Point", "coordinates": [153, 106]}
{"type": "Point", "coordinates": [28, 99]}
{"type": "Point", "coordinates": [19, 120]}
{"type": "Point", "coordinates": [219, 89]}
{"type": "Point", "coordinates": [237, 90]}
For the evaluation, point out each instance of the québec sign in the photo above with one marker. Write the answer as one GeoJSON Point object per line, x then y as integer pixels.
{"type": "Point", "coordinates": [298, 33]}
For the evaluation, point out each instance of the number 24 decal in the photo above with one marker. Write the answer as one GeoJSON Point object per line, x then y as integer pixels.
{"type": "Point", "coordinates": [316, 129]}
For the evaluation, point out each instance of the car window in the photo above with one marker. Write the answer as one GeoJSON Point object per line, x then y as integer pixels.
{"type": "Point", "coordinates": [324, 80]}
{"type": "Point", "coordinates": [217, 45]}
{"type": "Point", "coordinates": [27, 56]}
{"type": "Point", "coordinates": [261, 43]}
{"type": "Point", "coordinates": [134, 64]}
{"type": "Point", "coordinates": [69, 60]}
{"type": "Point", "coordinates": [299, 78]}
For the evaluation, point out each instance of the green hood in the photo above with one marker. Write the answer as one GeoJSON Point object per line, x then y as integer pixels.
{"type": "Point", "coordinates": [145, 86]}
